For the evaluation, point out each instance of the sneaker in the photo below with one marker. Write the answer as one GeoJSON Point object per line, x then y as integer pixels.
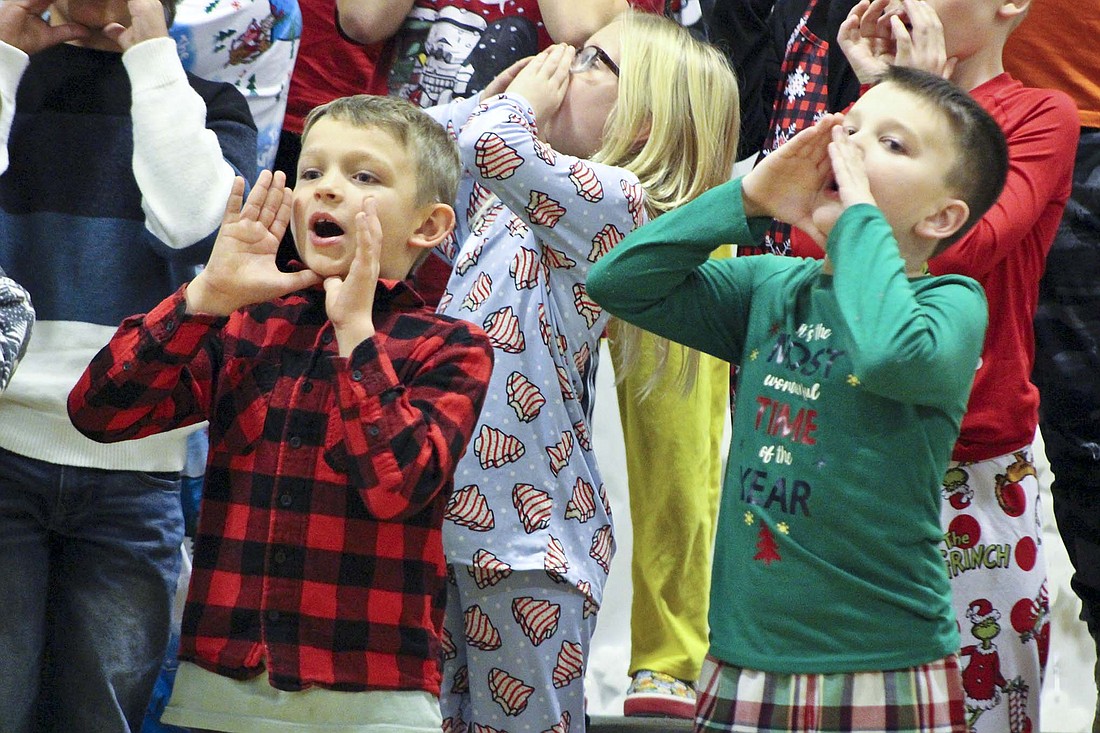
{"type": "Point", "coordinates": [658, 695]}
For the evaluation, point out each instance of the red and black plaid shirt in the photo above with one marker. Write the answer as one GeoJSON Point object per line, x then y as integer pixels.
{"type": "Point", "coordinates": [318, 554]}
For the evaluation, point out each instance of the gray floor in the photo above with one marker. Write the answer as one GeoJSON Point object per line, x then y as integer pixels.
{"type": "Point", "coordinates": [608, 724]}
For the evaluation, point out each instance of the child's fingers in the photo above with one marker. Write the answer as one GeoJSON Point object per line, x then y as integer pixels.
{"type": "Point", "coordinates": [368, 233]}
{"type": "Point", "coordinates": [272, 200]}
{"type": "Point", "coordinates": [252, 204]}
{"type": "Point", "coordinates": [869, 22]}
{"type": "Point", "coordinates": [233, 203]}
{"type": "Point", "coordinates": [282, 216]}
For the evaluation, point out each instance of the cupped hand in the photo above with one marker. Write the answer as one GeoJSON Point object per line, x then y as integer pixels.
{"type": "Point", "coordinates": [22, 26]}
{"type": "Point", "coordinates": [349, 300]}
{"type": "Point", "coordinates": [146, 22]}
{"type": "Point", "coordinates": [544, 80]}
{"type": "Point", "coordinates": [242, 269]}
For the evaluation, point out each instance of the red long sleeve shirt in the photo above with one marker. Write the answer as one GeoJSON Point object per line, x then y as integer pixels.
{"type": "Point", "coordinates": [318, 554]}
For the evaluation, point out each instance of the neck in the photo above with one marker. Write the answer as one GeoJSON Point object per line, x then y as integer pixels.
{"type": "Point", "coordinates": [976, 70]}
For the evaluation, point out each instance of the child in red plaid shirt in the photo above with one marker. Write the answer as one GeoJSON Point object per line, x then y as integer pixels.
{"type": "Point", "coordinates": [338, 407]}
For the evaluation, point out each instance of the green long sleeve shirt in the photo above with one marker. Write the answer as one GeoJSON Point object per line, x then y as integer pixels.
{"type": "Point", "coordinates": [851, 393]}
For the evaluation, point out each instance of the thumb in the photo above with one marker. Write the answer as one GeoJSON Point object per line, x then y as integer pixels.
{"type": "Point", "coordinates": [114, 31]}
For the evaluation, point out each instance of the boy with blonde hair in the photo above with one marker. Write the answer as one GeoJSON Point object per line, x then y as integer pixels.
{"type": "Point", "coordinates": [829, 601]}
{"type": "Point", "coordinates": [338, 407]}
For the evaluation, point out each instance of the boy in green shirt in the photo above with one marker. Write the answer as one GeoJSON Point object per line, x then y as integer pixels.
{"type": "Point", "coordinates": [829, 597]}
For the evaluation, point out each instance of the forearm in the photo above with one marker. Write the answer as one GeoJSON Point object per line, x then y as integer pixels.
{"type": "Point", "coordinates": [178, 162]}
{"type": "Point", "coordinates": [153, 376]}
{"type": "Point", "coordinates": [571, 22]}
{"type": "Point", "coordinates": [372, 21]}
{"type": "Point", "coordinates": [662, 279]}
{"type": "Point", "coordinates": [403, 437]}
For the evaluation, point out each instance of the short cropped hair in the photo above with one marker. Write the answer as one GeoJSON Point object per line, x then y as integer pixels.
{"type": "Point", "coordinates": [430, 147]}
{"type": "Point", "coordinates": [981, 161]}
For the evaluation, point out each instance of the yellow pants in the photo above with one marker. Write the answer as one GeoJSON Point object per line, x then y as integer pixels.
{"type": "Point", "coordinates": [674, 451]}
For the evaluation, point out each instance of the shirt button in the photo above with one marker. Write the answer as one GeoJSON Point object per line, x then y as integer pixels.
{"type": "Point", "coordinates": [373, 431]}
{"type": "Point", "coordinates": [307, 387]}
{"type": "Point", "coordinates": [295, 442]}
{"type": "Point", "coordinates": [127, 366]}
{"type": "Point", "coordinates": [286, 500]}
{"type": "Point", "coordinates": [326, 338]}
{"type": "Point", "coordinates": [357, 375]}
{"type": "Point", "coordinates": [280, 556]}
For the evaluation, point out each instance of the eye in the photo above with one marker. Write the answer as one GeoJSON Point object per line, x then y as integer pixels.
{"type": "Point", "coordinates": [893, 145]}
{"type": "Point", "coordinates": [365, 177]}
{"type": "Point", "coordinates": [850, 130]}
{"type": "Point", "coordinates": [309, 174]}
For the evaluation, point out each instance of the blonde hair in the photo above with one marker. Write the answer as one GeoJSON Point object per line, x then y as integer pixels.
{"type": "Point", "coordinates": [675, 126]}
{"type": "Point", "coordinates": [431, 149]}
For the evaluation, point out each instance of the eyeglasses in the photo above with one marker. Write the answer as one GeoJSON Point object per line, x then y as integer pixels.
{"type": "Point", "coordinates": [586, 58]}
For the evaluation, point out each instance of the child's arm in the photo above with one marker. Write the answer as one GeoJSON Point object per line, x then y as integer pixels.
{"type": "Point", "coordinates": [16, 321]}
{"type": "Point", "coordinates": [576, 207]}
{"type": "Point", "coordinates": [156, 372]}
{"type": "Point", "coordinates": [661, 278]}
{"type": "Point", "coordinates": [187, 150]}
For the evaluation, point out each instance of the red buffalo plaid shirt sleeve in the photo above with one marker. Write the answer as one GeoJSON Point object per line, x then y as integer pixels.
{"type": "Point", "coordinates": [403, 437]}
{"type": "Point", "coordinates": [154, 375]}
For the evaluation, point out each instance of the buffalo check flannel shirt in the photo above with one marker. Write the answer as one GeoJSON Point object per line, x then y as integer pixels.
{"type": "Point", "coordinates": [318, 554]}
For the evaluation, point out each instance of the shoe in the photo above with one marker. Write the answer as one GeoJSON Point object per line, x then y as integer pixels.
{"type": "Point", "coordinates": [658, 695]}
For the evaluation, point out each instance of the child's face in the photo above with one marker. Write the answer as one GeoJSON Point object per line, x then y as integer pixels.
{"type": "Point", "coordinates": [93, 14]}
{"type": "Point", "coordinates": [340, 166]}
{"type": "Point", "coordinates": [577, 126]}
{"type": "Point", "coordinates": [907, 150]}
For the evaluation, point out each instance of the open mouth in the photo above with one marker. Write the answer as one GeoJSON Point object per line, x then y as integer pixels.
{"type": "Point", "coordinates": [326, 228]}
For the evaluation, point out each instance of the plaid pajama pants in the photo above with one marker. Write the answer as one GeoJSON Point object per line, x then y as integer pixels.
{"type": "Point", "coordinates": [923, 699]}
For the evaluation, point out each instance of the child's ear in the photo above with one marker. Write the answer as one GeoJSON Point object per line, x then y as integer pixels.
{"type": "Point", "coordinates": [438, 221]}
{"type": "Point", "coordinates": [1014, 10]}
{"type": "Point", "coordinates": [946, 221]}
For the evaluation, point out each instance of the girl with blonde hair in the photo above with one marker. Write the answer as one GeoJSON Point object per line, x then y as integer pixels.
{"type": "Point", "coordinates": [567, 153]}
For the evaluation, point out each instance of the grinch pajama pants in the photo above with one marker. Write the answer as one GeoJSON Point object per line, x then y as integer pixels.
{"type": "Point", "coordinates": [993, 549]}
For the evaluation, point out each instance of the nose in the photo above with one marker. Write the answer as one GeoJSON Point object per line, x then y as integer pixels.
{"type": "Point", "coordinates": [328, 187]}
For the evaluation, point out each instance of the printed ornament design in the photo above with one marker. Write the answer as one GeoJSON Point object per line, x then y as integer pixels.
{"type": "Point", "coordinates": [524, 269]}
{"type": "Point", "coordinates": [524, 397]}
{"type": "Point", "coordinates": [569, 665]}
{"type": "Point", "coordinates": [566, 384]}
{"type": "Point", "coordinates": [460, 683]}
{"type": "Point", "coordinates": [534, 507]}
{"type": "Point", "coordinates": [581, 429]}
{"type": "Point", "coordinates": [560, 452]}
{"type": "Point", "coordinates": [601, 547]}
{"type": "Point", "coordinates": [447, 643]}
{"type": "Point", "coordinates": [502, 328]}
{"type": "Point", "coordinates": [479, 728]}
{"type": "Point", "coordinates": [605, 241]}
{"type": "Point", "coordinates": [582, 357]}
{"type": "Point", "coordinates": [479, 196]}
{"type": "Point", "coordinates": [480, 632]}
{"type": "Point", "coordinates": [603, 499]}
{"type": "Point", "coordinates": [545, 153]}
{"type": "Point", "coordinates": [468, 260]}
{"type": "Point", "coordinates": [555, 562]}
{"type": "Point", "coordinates": [543, 210]}
{"type": "Point", "coordinates": [1011, 496]}
{"type": "Point", "coordinates": [517, 227]}
{"type": "Point", "coordinates": [495, 448]}
{"type": "Point", "coordinates": [479, 291]}
{"type": "Point", "coordinates": [494, 158]}
{"type": "Point", "coordinates": [586, 307]}
{"type": "Point", "coordinates": [555, 258]}
{"type": "Point", "coordinates": [634, 198]}
{"type": "Point", "coordinates": [562, 726]}
{"type": "Point", "coordinates": [468, 508]}
{"type": "Point", "coordinates": [545, 331]}
{"type": "Point", "coordinates": [487, 569]}
{"type": "Point", "coordinates": [537, 618]}
{"type": "Point", "coordinates": [590, 606]}
{"type": "Point", "coordinates": [584, 179]}
{"type": "Point", "coordinates": [511, 693]}
{"type": "Point", "coordinates": [582, 505]}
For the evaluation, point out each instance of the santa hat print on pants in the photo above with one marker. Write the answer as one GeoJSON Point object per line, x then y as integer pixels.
{"type": "Point", "coordinates": [980, 610]}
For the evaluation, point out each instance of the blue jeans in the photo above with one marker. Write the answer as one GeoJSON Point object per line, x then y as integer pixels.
{"type": "Point", "coordinates": [88, 566]}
